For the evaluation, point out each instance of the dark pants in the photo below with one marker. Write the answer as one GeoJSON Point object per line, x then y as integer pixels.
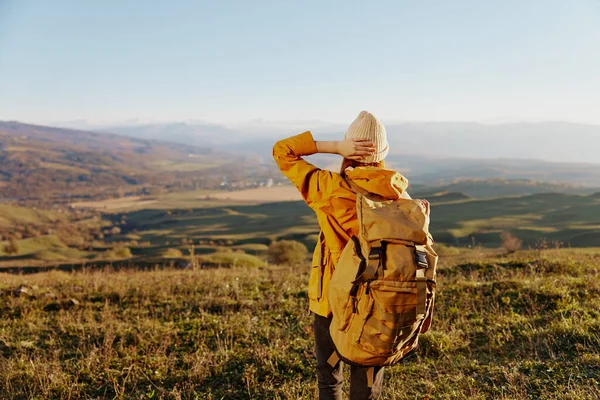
{"type": "Point", "coordinates": [331, 378]}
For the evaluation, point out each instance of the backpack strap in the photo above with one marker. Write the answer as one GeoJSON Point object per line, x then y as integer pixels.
{"type": "Point", "coordinates": [376, 259]}
{"type": "Point", "coordinates": [369, 267]}
{"type": "Point", "coordinates": [422, 265]}
{"type": "Point", "coordinates": [361, 268]}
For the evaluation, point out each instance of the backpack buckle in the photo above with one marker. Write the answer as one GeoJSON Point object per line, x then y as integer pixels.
{"type": "Point", "coordinates": [421, 259]}
{"type": "Point", "coordinates": [376, 253]}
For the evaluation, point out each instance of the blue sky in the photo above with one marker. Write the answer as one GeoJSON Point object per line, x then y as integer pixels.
{"type": "Point", "coordinates": [230, 61]}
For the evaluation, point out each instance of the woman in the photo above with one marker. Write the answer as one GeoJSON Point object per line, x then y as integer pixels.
{"type": "Point", "coordinates": [330, 196]}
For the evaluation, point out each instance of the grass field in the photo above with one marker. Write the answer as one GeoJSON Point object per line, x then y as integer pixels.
{"type": "Point", "coordinates": [525, 326]}
{"type": "Point", "coordinates": [191, 199]}
{"type": "Point", "coordinates": [540, 220]}
{"type": "Point", "coordinates": [12, 215]}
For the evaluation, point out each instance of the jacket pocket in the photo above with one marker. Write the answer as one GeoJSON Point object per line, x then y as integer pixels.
{"type": "Point", "coordinates": [319, 262]}
{"type": "Point", "coordinates": [315, 283]}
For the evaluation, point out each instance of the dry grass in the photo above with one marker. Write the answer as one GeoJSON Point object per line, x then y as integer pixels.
{"type": "Point", "coordinates": [262, 195]}
{"type": "Point", "coordinates": [514, 327]}
{"type": "Point", "coordinates": [115, 204]}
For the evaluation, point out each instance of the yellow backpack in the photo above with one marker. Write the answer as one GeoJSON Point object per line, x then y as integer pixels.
{"type": "Point", "coordinates": [382, 291]}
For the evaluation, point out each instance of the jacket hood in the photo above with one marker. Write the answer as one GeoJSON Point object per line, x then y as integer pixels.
{"type": "Point", "coordinates": [380, 181]}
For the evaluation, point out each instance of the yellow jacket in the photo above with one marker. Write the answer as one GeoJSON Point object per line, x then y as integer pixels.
{"type": "Point", "coordinates": [330, 196]}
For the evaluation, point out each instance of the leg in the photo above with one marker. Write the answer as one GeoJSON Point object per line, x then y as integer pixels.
{"type": "Point", "coordinates": [330, 378]}
{"type": "Point", "coordinates": [359, 388]}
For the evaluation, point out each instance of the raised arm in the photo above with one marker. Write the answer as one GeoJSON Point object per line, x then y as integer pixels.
{"type": "Point", "coordinates": [313, 183]}
{"type": "Point", "coordinates": [354, 149]}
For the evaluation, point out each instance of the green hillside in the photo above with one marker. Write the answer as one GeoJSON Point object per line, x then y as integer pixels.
{"type": "Point", "coordinates": [170, 224]}
{"type": "Point", "coordinates": [568, 219]}
{"type": "Point", "coordinates": [557, 219]}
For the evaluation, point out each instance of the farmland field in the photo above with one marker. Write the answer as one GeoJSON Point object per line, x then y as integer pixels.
{"type": "Point", "coordinates": [150, 227]}
{"type": "Point", "coordinates": [259, 215]}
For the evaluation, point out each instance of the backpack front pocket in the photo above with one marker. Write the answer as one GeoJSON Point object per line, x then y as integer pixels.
{"type": "Point", "coordinates": [393, 319]}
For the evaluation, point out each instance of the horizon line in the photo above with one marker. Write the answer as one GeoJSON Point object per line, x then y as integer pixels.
{"type": "Point", "coordinates": [191, 121]}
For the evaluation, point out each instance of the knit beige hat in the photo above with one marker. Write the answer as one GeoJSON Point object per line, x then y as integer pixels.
{"type": "Point", "coordinates": [366, 126]}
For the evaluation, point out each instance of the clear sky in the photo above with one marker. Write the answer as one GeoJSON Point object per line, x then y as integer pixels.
{"type": "Point", "coordinates": [229, 61]}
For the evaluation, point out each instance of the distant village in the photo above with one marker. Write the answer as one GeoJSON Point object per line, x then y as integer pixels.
{"type": "Point", "coordinates": [250, 184]}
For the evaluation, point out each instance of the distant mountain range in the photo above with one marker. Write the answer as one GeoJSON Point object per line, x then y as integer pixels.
{"type": "Point", "coordinates": [47, 162]}
{"type": "Point", "coordinates": [549, 141]}
{"type": "Point", "coordinates": [38, 162]}
{"type": "Point", "coordinates": [446, 170]}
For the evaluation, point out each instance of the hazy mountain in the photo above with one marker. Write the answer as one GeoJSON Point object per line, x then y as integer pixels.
{"type": "Point", "coordinates": [491, 188]}
{"type": "Point", "coordinates": [197, 134]}
{"type": "Point", "coordinates": [428, 153]}
{"type": "Point", "coordinates": [444, 170]}
{"type": "Point", "coordinates": [550, 141]}
{"type": "Point", "coordinates": [45, 162]}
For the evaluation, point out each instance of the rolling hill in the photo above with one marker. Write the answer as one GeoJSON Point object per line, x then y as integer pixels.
{"type": "Point", "coordinates": [543, 151]}
{"type": "Point", "coordinates": [490, 188]}
{"type": "Point", "coordinates": [553, 140]}
{"type": "Point", "coordinates": [551, 218]}
{"type": "Point", "coordinates": [149, 227]}
{"type": "Point", "coordinates": [39, 162]}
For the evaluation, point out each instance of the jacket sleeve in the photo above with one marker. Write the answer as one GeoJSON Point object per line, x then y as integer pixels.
{"type": "Point", "coordinates": [314, 184]}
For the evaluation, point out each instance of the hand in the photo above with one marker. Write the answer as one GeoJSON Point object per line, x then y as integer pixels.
{"type": "Point", "coordinates": [355, 149]}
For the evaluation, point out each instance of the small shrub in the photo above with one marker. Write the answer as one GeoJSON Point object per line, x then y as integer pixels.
{"type": "Point", "coordinates": [222, 249]}
{"type": "Point", "coordinates": [12, 247]}
{"type": "Point", "coordinates": [32, 232]}
{"type": "Point", "coordinates": [510, 243]}
{"type": "Point", "coordinates": [288, 252]}
{"type": "Point", "coordinates": [73, 240]}
{"type": "Point", "coordinates": [120, 252]}
{"type": "Point", "coordinates": [172, 253]}
{"type": "Point", "coordinates": [230, 259]}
